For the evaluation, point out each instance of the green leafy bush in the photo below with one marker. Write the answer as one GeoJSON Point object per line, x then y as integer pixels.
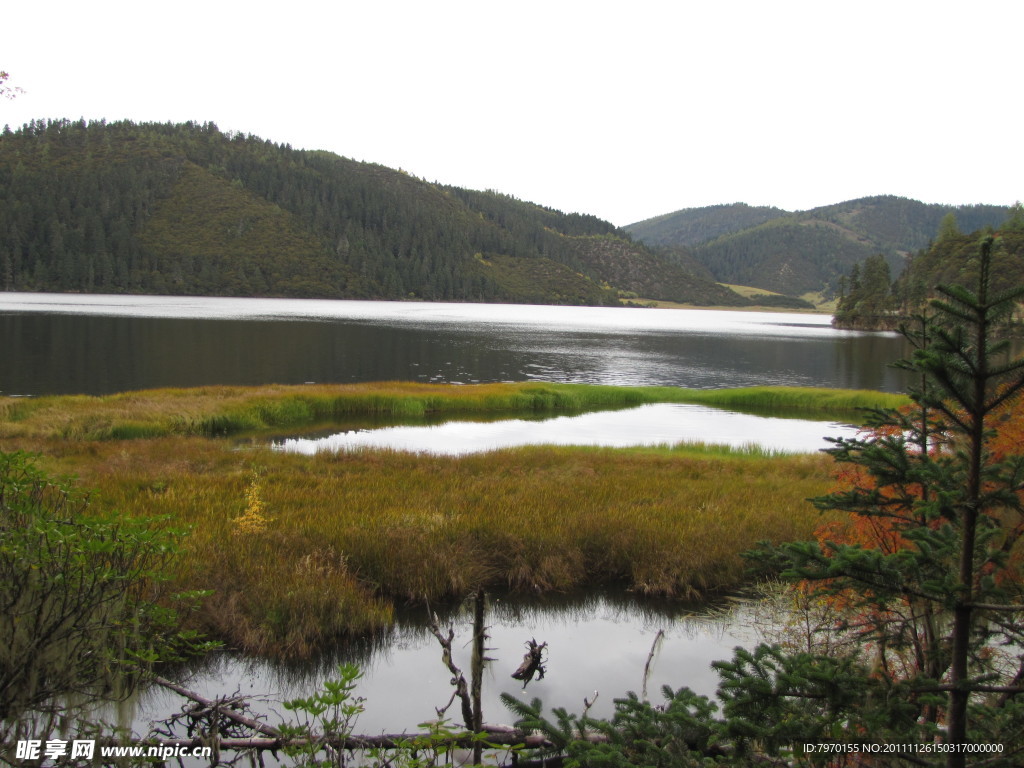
{"type": "Point", "coordinates": [80, 613]}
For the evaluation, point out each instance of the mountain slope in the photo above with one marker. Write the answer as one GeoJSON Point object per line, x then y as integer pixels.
{"type": "Point", "coordinates": [208, 231]}
{"type": "Point", "coordinates": [785, 255]}
{"type": "Point", "coordinates": [794, 253]}
{"type": "Point", "coordinates": [164, 208]}
{"type": "Point", "coordinates": [692, 226]}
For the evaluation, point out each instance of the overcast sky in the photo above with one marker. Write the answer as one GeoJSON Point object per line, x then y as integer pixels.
{"type": "Point", "coordinates": [625, 110]}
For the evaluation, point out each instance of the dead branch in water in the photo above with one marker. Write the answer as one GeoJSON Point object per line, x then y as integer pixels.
{"type": "Point", "coordinates": [269, 738]}
{"type": "Point", "coordinates": [458, 679]}
{"type": "Point", "coordinates": [226, 708]}
{"type": "Point", "coordinates": [533, 663]}
{"type": "Point", "coordinates": [658, 638]}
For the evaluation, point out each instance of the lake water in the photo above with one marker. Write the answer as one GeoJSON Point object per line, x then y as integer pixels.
{"type": "Point", "coordinates": [101, 344]}
{"type": "Point", "coordinates": [104, 344]}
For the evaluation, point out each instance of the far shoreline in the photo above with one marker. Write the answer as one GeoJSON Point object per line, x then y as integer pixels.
{"type": "Point", "coordinates": [633, 303]}
{"type": "Point", "coordinates": [657, 304]}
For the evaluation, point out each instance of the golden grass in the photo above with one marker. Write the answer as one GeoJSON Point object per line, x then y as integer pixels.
{"type": "Point", "coordinates": [301, 549]}
{"type": "Point", "coordinates": [347, 535]}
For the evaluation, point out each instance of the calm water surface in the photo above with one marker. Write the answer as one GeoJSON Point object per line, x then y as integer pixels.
{"type": "Point", "coordinates": [55, 343]}
{"type": "Point", "coordinates": [596, 642]}
{"type": "Point", "coordinates": [654, 424]}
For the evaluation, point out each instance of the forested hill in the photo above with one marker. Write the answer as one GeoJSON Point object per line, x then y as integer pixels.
{"type": "Point", "coordinates": [872, 300]}
{"type": "Point", "coordinates": [693, 226]}
{"type": "Point", "coordinates": [809, 251]}
{"type": "Point", "coordinates": [187, 209]}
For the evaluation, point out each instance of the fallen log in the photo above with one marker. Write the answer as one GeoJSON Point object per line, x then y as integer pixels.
{"type": "Point", "coordinates": [270, 739]}
{"type": "Point", "coordinates": [501, 737]}
{"type": "Point", "coordinates": [212, 705]}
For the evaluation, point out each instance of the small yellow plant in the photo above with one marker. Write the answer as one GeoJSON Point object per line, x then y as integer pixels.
{"type": "Point", "coordinates": [253, 520]}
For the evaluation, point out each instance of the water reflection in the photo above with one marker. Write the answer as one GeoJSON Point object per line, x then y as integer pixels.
{"type": "Point", "coordinates": [597, 641]}
{"type": "Point", "coordinates": [653, 424]}
{"type": "Point", "coordinates": [102, 344]}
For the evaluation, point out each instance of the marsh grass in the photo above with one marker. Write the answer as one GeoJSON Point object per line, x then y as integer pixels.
{"type": "Point", "coordinates": [348, 536]}
{"type": "Point", "coordinates": [299, 550]}
{"type": "Point", "coordinates": [805, 400]}
{"type": "Point", "coordinates": [222, 411]}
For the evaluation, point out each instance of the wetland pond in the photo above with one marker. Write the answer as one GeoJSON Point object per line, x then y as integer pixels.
{"type": "Point", "coordinates": [599, 641]}
{"type": "Point", "coordinates": [653, 424]}
{"type": "Point", "coordinates": [79, 344]}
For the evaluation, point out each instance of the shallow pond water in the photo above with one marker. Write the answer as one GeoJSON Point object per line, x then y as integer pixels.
{"type": "Point", "coordinates": [597, 642]}
{"type": "Point", "coordinates": [653, 424]}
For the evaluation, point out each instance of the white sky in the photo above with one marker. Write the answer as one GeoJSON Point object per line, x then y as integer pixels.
{"type": "Point", "coordinates": [625, 110]}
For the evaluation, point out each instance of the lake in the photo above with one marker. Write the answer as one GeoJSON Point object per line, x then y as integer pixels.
{"type": "Point", "coordinates": [104, 344]}
{"type": "Point", "coordinates": [89, 344]}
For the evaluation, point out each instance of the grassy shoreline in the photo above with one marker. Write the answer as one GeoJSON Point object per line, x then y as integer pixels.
{"type": "Point", "coordinates": [227, 410]}
{"type": "Point", "coordinates": [299, 550]}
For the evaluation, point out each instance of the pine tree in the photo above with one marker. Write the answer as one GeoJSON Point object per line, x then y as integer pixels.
{"type": "Point", "coordinates": [937, 589]}
{"type": "Point", "coordinates": [869, 295]}
{"type": "Point", "coordinates": [1015, 221]}
{"type": "Point", "coordinates": [948, 227]}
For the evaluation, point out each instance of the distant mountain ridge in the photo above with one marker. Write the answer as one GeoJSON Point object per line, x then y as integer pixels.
{"type": "Point", "coordinates": [693, 226]}
{"type": "Point", "coordinates": [806, 251]}
{"type": "Point", "coordinates": [187, 209]}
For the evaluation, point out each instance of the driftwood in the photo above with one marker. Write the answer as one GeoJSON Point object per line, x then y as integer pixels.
{"type": "Point", "coordinates": [461, 691]}
{"type": "Point", "coordinates": [493, 735]}
{"type": "Point", "coordinates": [468, 694]}
{"type": "Point", "coordinates": [658, 638]}
{"type": "Point", "coordinates": [533, 663]}
{"type": "Point", "coordinates": [218, 708]}
{"type": "Point", "coordinates": [269, 738]}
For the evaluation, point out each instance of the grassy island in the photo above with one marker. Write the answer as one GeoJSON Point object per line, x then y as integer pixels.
{"type": "Point", "coordinates": [298, 550]}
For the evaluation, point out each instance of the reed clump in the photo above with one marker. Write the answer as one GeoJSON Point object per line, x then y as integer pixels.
{"type": "Point", "coordinates": [796, 399]}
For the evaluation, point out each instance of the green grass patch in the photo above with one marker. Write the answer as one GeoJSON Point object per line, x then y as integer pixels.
{"type": "Point", "coordinates": [805, 400]}
{"type": "Point", "coordinates": [222, 411]}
